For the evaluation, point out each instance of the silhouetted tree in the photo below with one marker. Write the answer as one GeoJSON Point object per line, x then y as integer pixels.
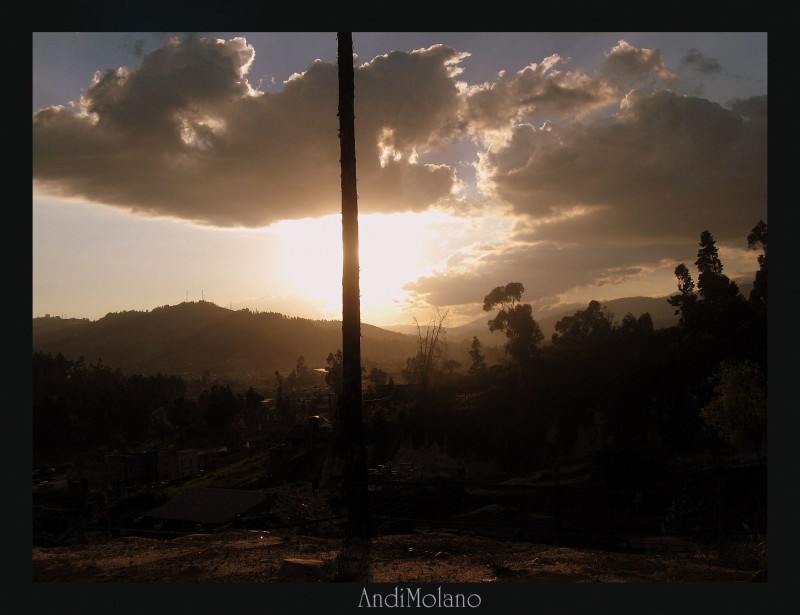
{"type": "Point", "coordinates": [505, 297]}
{"type": "Point", "coordinates": [220, 407]}
{"type": "Point", "coordinates": [628, 324]}
{"type": "Point", "coordinates": [685, 301]}
{"type": "Point", "coordinates": [377, 376]}
{"type": "Point", "coordinates": [333, 373]}
{"type": "Point", "coordinates": [594, 324]}
{"type": "Point", "coordinates": [716, 295]}
{"type": "Point", "coordinates": [738, 409]}
{"type": "Point", "coordinates": [283, 405]}
{"type": "Point", "coordinates": [187, 418]}
{"type": "Point", "coordinates": [476, 355]}
{"type": "Point", "coordinates": [755, 240]}
{"type": "Point", "coordinates": [79, 406]}
{"type": "Point", "coordinates": [644, 324]}
{"type": "Point", "coordinates": [515, 320]}
{"type": "Point", "coordinates": [424, 366]}
{"type": "Point", "coordinates": [299, 375]}
{"type": "Point", "coordinates": [632, 326]}
{"type": "Point", "coordinates": [715, 288]}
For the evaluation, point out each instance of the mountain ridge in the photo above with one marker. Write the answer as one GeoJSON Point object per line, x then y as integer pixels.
{"type": "Point", "coordinates": [192, 338]}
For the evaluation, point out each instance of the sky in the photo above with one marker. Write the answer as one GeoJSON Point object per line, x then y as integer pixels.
{"type": "Point", "coordinates": [171, 167]}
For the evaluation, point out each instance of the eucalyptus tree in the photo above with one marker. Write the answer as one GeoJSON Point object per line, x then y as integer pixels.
{"type": "Point", "coordinates": [515, 320]}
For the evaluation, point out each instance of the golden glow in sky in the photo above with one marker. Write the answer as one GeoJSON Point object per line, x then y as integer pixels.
{"type": "Point", "coordinates": [207, 166]}
{"type": "Point", "coordinates": [394, 249]}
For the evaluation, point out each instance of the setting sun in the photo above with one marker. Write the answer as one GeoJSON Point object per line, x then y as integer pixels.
{"type": "Point", "coordinates": [393, 251]}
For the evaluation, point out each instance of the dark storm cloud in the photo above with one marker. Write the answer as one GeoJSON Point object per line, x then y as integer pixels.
{"type": "Point", "coordinates": [695, 60]}
{"type": "Point", "coordinates": [184, 135]}
{"type": "Point", "coordinates": [663, 166]}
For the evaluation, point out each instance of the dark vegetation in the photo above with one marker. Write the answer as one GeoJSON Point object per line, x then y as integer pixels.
{"type": "Point", "coordinates": [675, 412]}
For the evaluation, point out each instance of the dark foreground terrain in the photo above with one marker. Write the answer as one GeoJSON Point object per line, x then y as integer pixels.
{"type": "Point", "coordinates": [248, 556]}
{"type": "Point", "coordinates": [679, 530]}
{"type": "Point", "coordinates": [492, 536]}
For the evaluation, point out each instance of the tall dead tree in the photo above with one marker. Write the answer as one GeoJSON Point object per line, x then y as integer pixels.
{"type": "Point", "coordinates": [354, 485]}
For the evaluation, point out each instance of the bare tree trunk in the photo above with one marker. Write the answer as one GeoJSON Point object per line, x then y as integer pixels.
{"type": "Point", "coordinates": [429, 348]}
{"type": "Point", "coordinates": [352, 431]}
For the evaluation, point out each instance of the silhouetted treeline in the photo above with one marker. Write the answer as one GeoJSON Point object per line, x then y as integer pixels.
{"type": "Point", "coordinates": [80, 406]}
{"type": "Point", "coordinates": [618, 390]}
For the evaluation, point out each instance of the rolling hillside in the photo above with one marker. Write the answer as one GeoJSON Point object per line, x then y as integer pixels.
{"type": "Point", "coordinates": [192, 337]}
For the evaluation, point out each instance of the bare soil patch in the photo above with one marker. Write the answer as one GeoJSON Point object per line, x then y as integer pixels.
{"type": "Point", "coordinates": [247, 556]}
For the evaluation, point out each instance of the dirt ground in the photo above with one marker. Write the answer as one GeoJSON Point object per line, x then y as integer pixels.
{"type": "Point", "coordinates": [288, 554]}
{"type": "Point", "coordinates": [248, 556]}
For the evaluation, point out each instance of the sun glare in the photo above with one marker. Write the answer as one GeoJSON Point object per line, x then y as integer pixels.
{"type": "Point", "coordinates": [310, 262]}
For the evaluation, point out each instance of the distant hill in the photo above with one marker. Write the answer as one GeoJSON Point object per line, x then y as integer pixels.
{"type": "Point", "coordinates": [192, 337]}
{"type": "Point", "coordinates": [662, 313]}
